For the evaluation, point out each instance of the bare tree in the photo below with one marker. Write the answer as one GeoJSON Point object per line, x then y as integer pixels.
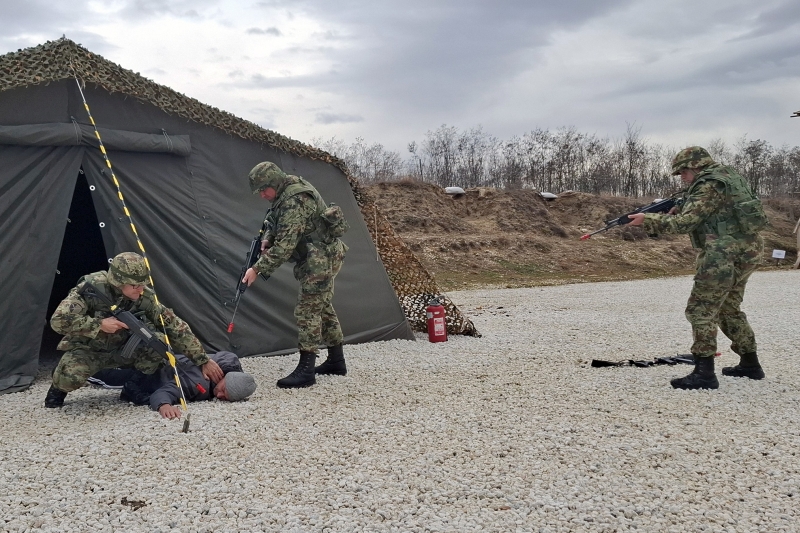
{"type": "Point", "coordinates": [752, 160]}
{"type": "Point", "coordinates": [561, 160]}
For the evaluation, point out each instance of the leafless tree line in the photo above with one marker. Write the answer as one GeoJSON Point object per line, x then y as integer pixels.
{"type": "Point", "coordinates": [561, 160]}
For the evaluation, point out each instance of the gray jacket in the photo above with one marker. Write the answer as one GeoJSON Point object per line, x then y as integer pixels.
{"type": "Point", "coordinates": [195, 387]}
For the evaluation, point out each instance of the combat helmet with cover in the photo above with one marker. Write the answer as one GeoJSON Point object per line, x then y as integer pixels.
{"type": "Point", "coordinates": [127, 268]}
{"type": "Point", "coordinates": [265, 174]}
{"type": "Point", "coordinates": [693, 158]}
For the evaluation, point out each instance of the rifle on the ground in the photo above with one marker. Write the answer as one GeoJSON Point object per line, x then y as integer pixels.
{"type": "Point", "coordinates": [252, 256]}
{"type": "Point", "coordinates": [141, 333]}
{"type": "Point", "coordinates": [680, 358]}
{"type": "Point", "coordinates": [658, 206]}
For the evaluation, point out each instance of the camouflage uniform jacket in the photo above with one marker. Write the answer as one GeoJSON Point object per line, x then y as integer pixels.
{"type": "Point", "coordinates": [78, 319]}
{"type": "Point", "coordinates": [711, 208]}
{"type": "Point", "coordinates": [294, 219]}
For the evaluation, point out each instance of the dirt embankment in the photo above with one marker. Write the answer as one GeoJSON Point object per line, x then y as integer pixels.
{"type": "Point", "coordinates": [491, 237]}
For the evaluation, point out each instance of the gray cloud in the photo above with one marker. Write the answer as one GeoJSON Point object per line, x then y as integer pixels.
{"type": "Point", "coordinates": [745, 66]}
{"type": "Point", "coordinates": [259, 81]}
{"type": "Point", "coordinates": [775, 20]}
{"type": "Point", "coordinates": [402, 69]}
{"type": "Point", "coordinates": [440, 55]}
{"type": "Point", "coordinates": [268, 31]}
{"type": "Point", "coordinates": [32, 22]}
{"type": "Point", "coordinates": [186, 9]}
{"type": "Point", "coordinates": [337, 118]}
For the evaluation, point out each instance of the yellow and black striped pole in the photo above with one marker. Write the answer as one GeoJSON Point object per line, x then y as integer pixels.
{"type": "Point", "coordinates": [170, 355]}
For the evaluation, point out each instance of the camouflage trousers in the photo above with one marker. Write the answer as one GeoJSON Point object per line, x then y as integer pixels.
{"type": "Point", "coordinates": [317, 323]}
{"type": "Point", "coordinates": [723, 268]}
{"type": "Point", "coordinates": [79, 363]}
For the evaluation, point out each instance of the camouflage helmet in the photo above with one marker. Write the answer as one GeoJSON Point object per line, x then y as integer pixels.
{"type": "Point", "coordinates": [127, 268]}
{"type": "Point", "coordinates": [265, 174]}
{"type": "Point", "coordinates": [693, 158]}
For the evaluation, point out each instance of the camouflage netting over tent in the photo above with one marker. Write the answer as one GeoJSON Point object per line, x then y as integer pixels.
{"type": "Point", "coordinates": [63, 60]}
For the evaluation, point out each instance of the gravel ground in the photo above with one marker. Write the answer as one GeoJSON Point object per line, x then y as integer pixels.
{"type": "Point", "coordinates": [513, 431]}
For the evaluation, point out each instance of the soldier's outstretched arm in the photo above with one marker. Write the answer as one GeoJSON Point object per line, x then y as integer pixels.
{"type": "Point", "coordinates": [704, 202]}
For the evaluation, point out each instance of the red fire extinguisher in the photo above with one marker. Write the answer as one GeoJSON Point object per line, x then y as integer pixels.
{"type": "Point", "coordinates": [437, 327]}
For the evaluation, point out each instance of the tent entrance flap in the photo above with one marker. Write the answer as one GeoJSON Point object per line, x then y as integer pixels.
{"type": "Point", "coordinates": [82, 252]}
{"type": "Point", "coordinates": [36, 187]}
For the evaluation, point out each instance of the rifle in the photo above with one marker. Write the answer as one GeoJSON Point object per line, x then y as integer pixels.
{"type": "Point", "coordinates": [686, 358]}
{"type": "Point", "coordinates": [658, 206]}
{"type": "Point", "coordinates": [141, 333]}
{"type": "Point", "coordinates": [252, 256]}
{"type": "Point", "coordinates": [679, 358]}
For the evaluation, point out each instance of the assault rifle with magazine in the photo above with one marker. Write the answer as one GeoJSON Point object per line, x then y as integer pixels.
{"type": "Point", "coordinates": [252, 256]}
{"type": "Point", "coordinates": [685, 358]}
{"type": "Point", "coordinates": [140, 333]}
{"type": "Point", "coordinates": [657, 206]}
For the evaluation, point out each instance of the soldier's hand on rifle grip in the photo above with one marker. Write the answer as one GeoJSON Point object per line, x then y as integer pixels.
{"type": "Point", "coordinates": [112, 325]}
{"type": "Point", "coordinates": [636, 219]}
{"type": "Point", "coordinates": [250, 276]}
{"type": "Point", "coordinates": [264, 245]}
{"type": "Point", "coordinates": [673, 211]}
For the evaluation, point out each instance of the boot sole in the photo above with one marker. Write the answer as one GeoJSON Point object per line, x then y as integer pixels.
{"type": "Point", "coordinates": [704, 386]}
{"type": "Point", "coordinates": [324, 373]}
{"type": "Point", "coordinates": [735, 374]}
{"type": "Point", "coordinates": [301, 386]}
{"type": "Point", "coordinates": [710, 384]}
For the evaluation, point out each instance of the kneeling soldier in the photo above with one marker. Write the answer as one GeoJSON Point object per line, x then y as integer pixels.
{"type": "Point", "coordinates": [95, 340]}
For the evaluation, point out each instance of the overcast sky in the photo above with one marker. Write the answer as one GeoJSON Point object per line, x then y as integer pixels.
{"type": "Point", "coordinates": [684, 71]}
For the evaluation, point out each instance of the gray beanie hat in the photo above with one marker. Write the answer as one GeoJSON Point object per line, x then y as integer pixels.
{"type": "Point", "coordinates": [239, 385]}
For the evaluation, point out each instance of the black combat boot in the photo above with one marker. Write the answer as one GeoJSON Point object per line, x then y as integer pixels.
{"type": "Point", "coordinates": [133, 393]}
{"type": "Point", "coordinates": [334, 364]}
{"type": "Point", "coordinates": [55, 397]}
{"type": "Point", "coordinates": [748, 367]}
{"type": "Point", "coordinates": [303, 375]}
{"type": "Point", "coordinates": [702, 377]}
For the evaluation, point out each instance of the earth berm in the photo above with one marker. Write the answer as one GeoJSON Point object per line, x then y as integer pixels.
{"type": "Point", "coordinates": [515, 238]}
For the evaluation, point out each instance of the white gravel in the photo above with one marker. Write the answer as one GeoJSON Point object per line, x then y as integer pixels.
{"type": "Point", "coordinates": [510, 432]}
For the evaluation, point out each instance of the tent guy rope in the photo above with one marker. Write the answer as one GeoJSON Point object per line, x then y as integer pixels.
{"type": "Point", "coordinates": [170, 354]}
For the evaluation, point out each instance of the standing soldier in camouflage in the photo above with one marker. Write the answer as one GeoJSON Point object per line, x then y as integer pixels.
{"type": "Point", "coordinates": [723, 218]}
{"type": "Point", "coordinates": [299, 231]}
{"type": "Point", "coordinates": [95, 340]}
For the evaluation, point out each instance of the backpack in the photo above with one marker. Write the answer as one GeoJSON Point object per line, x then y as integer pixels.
{"type": "Point", "coordinates": [332, 223]}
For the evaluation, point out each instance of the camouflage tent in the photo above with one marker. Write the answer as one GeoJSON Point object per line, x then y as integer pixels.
{"type": "Point", "coordinates": [181, 166]}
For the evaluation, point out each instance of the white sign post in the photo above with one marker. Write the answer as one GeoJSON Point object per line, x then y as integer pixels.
{"type": "Point", "coordinates": [777, 255]}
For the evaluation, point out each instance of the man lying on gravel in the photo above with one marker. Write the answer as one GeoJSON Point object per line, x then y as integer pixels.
{"type": "Point", "coordinates": [161, 391]}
